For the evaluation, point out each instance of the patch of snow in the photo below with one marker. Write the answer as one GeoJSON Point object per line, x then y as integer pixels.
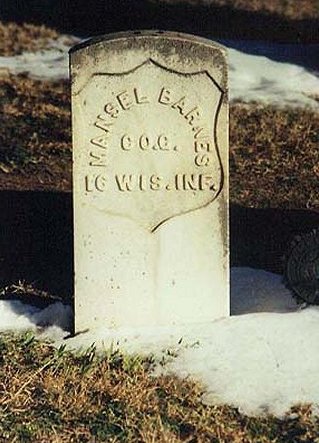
{"type": "Point", "coordinates": [259, 291]}
{"type": "Point", "coordinates": [258, 78]}
{"type": "Point", "coordinates": [263, 359]}
{"type": "Point", "coordinates": [305, 55]}
{"type": "Point", "coordinates": [47, 64]}
{"type": "Point", "coordinates": [18, 316]}
{"type": "Point", "coordinates": [257, 71]}
{"type": "Point", "coordinates": [258, 362]}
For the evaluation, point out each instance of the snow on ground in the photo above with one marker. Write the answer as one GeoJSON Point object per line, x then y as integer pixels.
{"type": "Point", "coordinates": [257, 362]}
{"type": "Point", "coordinates": [258, 78]}
{"type": "Point", "coordinates": [255, 70]}
{"type": "Point", "coordinates": [18, 316]}
{"type": "Point", "coordinates": [264, 358]}
{"type": "Point", "coordinates": [259, 291]}
{"type": "Point", "coordinates": [46, 64]}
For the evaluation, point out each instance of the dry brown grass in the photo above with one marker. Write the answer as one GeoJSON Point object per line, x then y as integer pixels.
{"type": "Point", "coordinates": [16, 38]}
{"type": "Point", "coordinates": [49, 395]}
{"type": "Point", "coordinates": [35, 141]}
{"type": "Point", "coordinates": [28, 293]}
{"type": "Point", "coordinates": [274, 157]}
{"type": "Point", "coordinates": [291, 9]}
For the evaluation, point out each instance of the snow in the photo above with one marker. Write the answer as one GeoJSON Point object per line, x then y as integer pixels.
{"type": "Point", "coordinates": [258, 71]}
{"type": "Point", "coordinates": [47, 64]}
{"type": "Point", "coordinates": [257, 362]}
{"type": "Point", "coordinates": [259, 291]}
{"type": "Point", "coordinates": [264, 358]}
{"type": "Point", "coordinates": [18, 316]}
{"type": "Point", "coordinates": [258, 78]}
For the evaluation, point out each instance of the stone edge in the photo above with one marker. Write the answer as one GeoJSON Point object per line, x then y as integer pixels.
{"type": "Point", "coordinates": [146, 33]}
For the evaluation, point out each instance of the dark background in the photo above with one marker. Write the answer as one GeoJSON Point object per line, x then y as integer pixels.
{"type": "Point", "coordinates": [91, 17]}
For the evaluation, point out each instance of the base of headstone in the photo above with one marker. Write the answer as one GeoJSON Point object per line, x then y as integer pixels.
{"type": "Point", "coordinates": [140, 279]}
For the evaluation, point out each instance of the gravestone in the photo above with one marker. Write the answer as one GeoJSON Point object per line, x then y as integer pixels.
{"type": "Point", "coordinates": [150, 177]}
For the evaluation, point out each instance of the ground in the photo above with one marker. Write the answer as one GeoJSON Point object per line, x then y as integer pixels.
{"type": "Point", "coordinates": [55, 396]}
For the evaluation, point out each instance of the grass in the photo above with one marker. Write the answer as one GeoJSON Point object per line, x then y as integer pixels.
{"type": "Point", "coordinates": [290, 9]}
{"type": "Point", "coordinates": [287, 8]}
{"type": "Point", "coordinates": [17, 38]}
{"type": "Point", "coordinates": [35, 141]}
{"type": "Point", "coordinates": [30, 111]}
{"type": "Point", "coordinates": [28, 293]}
{"type": "Point", "coordinates": [53, 395]}
{"type": "Point", "coordinates": [273, 151]}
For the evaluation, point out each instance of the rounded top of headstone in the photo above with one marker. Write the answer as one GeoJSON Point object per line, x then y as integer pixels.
{"type": "Point", "coordinates": [145, 34]}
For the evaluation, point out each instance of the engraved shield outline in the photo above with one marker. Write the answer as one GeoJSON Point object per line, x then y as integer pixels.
{"type": "Point", "coordinates": [215, 122]}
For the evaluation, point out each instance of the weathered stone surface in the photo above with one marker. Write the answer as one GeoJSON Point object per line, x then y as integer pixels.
{"type": "Point", "coordinates": [150, 135]}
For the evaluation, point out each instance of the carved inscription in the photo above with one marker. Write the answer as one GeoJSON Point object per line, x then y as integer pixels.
{"type": "Point", "coordinates": [95, 182]}
{"type": "Point", "coordinates": [149, 142]}
{"type": "Point", "coordinates": [146, 142]}
{"type": "Point", "coordinates": [141, 182]}
{"type": "Point", "coordinates": [127, 100]}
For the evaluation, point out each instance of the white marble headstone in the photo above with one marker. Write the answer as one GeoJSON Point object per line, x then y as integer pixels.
{"type": "Point", "coordinates": [150, 176]}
